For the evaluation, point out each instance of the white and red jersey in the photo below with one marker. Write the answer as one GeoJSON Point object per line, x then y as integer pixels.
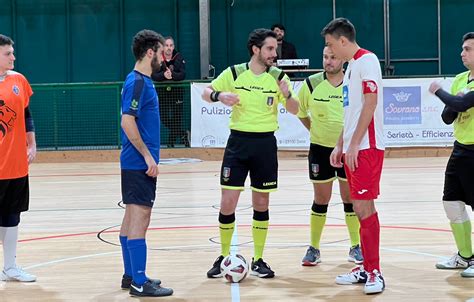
{"type": "Point", "coordinates": [363, 75]}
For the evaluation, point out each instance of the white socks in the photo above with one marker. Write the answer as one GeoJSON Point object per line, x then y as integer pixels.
{"type": "Point", "coordinates": [10, 239]}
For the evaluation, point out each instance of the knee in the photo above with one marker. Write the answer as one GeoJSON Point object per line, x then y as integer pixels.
{"type": "Point", "coordinates": [456, 211]}
{"type": "Point", "coordinates": [10, 220]}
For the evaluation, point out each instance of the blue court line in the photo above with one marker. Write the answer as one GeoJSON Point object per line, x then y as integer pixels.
{"type": "Point", "coordinates": [234, 248]}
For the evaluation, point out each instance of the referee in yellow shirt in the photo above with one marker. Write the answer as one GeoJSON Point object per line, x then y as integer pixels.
{"type": "Point", "coordinates": [253, 90]}
{"type": "Point", "coordinates": [321, 112]}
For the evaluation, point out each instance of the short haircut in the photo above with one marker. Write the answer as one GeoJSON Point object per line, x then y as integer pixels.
{"type": "Point", "coordinates": [144, 40]}
{"type": "Point", "coordinates": [169, 38]}
{"type": "Point", "coordinates": [257, 37]}
{"type": "Point", "coordinates": [277, 25]}
{"type": "Point", "coordinates": [4, 40]}
{"type": "Point", "coordinates": [468, 36]}
{"type": "Point", "coordinates": [340, 27]}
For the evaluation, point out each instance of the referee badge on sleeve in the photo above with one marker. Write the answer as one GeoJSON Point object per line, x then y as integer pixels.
{"type": "Point", "coordinates": [270, 101]}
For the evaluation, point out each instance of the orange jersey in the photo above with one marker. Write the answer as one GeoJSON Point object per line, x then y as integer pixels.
{"type": "Point", "coordinates": [15, 93]}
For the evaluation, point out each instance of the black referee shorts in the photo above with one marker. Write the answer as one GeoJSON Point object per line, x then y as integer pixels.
{"type": "Point", "coordinates": [14, 195]}
{"type": "Point", "coordinates": [459, 176]}
{"type": "Point", "coordinates": [319, 166]}
{"type": "Point", "coordinates": [254, 153]}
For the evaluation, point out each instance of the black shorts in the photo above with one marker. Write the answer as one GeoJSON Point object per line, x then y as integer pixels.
{"type": "Point", "coordinates": [459, 176]}
{"type": "Point", "coordinates": [319, 167]}
{"type": "Point", "coordinates": [14, 195]}
{"type": "Point", "coordinates": [250, 152]}
{"type": "Point", "coordinates": [138, 188]}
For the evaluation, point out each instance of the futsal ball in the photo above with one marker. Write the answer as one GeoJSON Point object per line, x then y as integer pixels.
{"type": "Point", "coordinates": [234, 268]}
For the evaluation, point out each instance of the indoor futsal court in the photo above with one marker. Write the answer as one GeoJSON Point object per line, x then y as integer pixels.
{"type": "Point", "coordinates": [69, 238]}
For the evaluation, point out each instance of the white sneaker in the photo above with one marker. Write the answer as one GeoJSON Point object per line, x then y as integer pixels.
{"type": "Point", "coordinates": [456, 261]}
{"type": "Point", "coordinates": [375, 283]}
{"type": "Point", "coordinates": [16, 274]}
{"type": "Point", "coordinates": [357, 275]}
{"type": "Point", "coordinates": [469, 272]}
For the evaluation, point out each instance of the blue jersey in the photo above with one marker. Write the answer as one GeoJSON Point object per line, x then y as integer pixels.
{"type": "Point", "coordinates": [139, 99]}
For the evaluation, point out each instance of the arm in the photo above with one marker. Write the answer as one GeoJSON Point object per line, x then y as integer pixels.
{"type": "Point", "coordinates": [335, 158]}
{"type": "Point", "coordinates": [454, 102]}
{"type": "Point", "coordinates": [306, 121]}
{"type": "Point", "coordinates": [30, 136]}
{"type": "Point", "coordinates": [130, 128]}
{"type": "Point", "coordinates": [292, 105]}
{"type": "Point", "coordinates": [179, 71]}
{"type": "Point", "coordinates": [448, 115]}
{"type": "Point", "coordinates": [366, 115]}
{"type": "Point", "coordinates": [227, 98]}
{"type": "Point", "coordinates": [158, 75]}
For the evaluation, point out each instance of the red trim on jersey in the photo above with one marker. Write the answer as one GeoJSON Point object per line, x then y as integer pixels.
{"type": "Point", "coordinates": [369, 86]}
{"type": "Point", "coordinates": [371, 132]}
{"type": "Point", "coordinates": [360, 53]}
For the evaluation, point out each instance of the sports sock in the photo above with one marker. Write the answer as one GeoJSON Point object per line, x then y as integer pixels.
{"type": "Point", "coordinates": [226, 230]}
{"type": "Point", "coordinates": [370, 238]}
{"type": "Point", "coordinates": [137, 250]}
{"type": "Point", "coordinates": [317, 222]}
{"type": "Point", "coordinates": [10, 241]}
{"type": "Point", "coordinates": [259, 232]}
{"type": "Point", "coordinates": [352, 223]}
{"type": "Point", "coordinates": [126, 256]}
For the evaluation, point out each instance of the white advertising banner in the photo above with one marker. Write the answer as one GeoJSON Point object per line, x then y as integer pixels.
{"type": "Point", "coordinates": [412, 117]}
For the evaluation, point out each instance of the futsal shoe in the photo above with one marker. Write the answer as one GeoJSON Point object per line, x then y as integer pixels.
{"type": "Point", "coordinates": [16, 274]}
{"type": "Point", "coordinates": [375, 283]}
{"type": "Point", "coordinates": [355, 276]}
{"type": "Point", "coordinates": [455, 262]}
{"type": "Point", "coordinates": [127, 280]}
{"type": "Point", "coordinates": [215, 271]}
{"type": "Point", "coordinates": [149, 289]}
{"type": "Point", "coordinates": [261, 269]}
{"type": "Point", "coordinates": [312, 257]}
{"type": "Point", "coordinates": [355, 255]}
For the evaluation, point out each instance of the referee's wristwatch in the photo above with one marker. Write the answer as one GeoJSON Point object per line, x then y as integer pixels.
{"type": "Point", "coordinates": [289, 95]}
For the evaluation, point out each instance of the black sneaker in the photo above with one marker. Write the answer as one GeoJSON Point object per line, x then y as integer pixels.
{"type": "Point", "coordinates": [215, 271]}
{"type": "Point", "coordinates": [148, 289]}
{"type": "Point", "coordinates": [127, 280]}
{"type": "Point", "coordinates": [261, 269]}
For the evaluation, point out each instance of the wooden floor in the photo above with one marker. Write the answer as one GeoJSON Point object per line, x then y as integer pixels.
{"type": "Point", "coordinates": [69, 237]}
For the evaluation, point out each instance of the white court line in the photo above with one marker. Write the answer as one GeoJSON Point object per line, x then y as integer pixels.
{"type": "Point", "coordinates": [234, 248]}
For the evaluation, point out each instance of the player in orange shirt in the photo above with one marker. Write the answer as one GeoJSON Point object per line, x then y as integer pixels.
{"type": "Point", "coordinates": [17, 150]}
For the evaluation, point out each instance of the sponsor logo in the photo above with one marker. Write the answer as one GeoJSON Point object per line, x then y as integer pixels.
{"type": "Point", "coordinates": [371, 86]}
{"type": "Point", "coordinates": [362, 191]}
{"type": "Point", "coordinates": [16, 90]}
{"type": "Point", "coordinates": [138, 289]}
{"type": "Point", "coordinates": [134, 105]}
{"type": "Point", "coordinates": [402, 105]}
{"type": "Point", "coordinates": [345, 96]}
{"type": "Point", "coordinates": [270, 183]}
{"type": "Point", "coordinates": [208, 141]}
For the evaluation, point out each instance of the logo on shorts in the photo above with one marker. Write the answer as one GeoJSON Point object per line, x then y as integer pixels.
{"type": "Point", "coordinates": [270, 101]}
{"type": "Point", "coordinates": [362, 191]}
{"type": "Point", "coordinates": [225, 173]}
{"type": "Point", "coordinates": [315, 169]}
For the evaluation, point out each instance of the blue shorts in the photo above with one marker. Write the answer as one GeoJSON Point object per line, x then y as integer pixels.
{"type": "Point", "coordinates": [138, 188]}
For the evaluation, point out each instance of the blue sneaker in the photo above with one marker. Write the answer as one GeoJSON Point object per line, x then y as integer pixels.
{"type": "Point", "coordinates": [312, 257]}
{"type": "Point", "coordinates": [355, 255]}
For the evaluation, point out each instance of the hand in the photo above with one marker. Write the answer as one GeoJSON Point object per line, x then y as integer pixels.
{"type": "Point", "coordinates": [284, 88]}
{"type": "Point", "coordinates": [152, 166]}
{"type": "Point", "coordinates": [434, 87]}
{"type": "Point", "coordinates": [168, 74]}
{"type": "Point", "coordinates": [229, 99]}
{"type": "Point", "coordinates": [336, 157]}
{"type": "Point", "coordinates": [31, 153]}
{"type": "Point", "coordinates": [351, 157]}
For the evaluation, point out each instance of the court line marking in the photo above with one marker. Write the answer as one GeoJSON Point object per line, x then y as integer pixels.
{"type": "Point", "coordinates": [242, 225]}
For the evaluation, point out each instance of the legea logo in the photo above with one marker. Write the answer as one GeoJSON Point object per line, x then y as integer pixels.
{"type": "Point", "coordinates": [402, 105]}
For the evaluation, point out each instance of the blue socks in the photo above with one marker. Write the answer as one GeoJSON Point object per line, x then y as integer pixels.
{"type": "Point", "coordinates": [137, 250]}
{"type": "Point", "coordinates": [127, 265]}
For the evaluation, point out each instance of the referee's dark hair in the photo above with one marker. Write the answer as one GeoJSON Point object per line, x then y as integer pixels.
{"type": "Point", "coordinates": [278, 25]}
{"type": "Point", "coordinates": [468, 36]}
{"type": "Point", "coordinates": [4, 40]}
{"type": "Point", "coordinates": [340, 27]}
{"type": "Point", "coordinates": [257, 37]}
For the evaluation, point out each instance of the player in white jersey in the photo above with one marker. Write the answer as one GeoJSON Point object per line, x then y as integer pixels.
{"type": "Point", "coordinates": [360, 145]}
